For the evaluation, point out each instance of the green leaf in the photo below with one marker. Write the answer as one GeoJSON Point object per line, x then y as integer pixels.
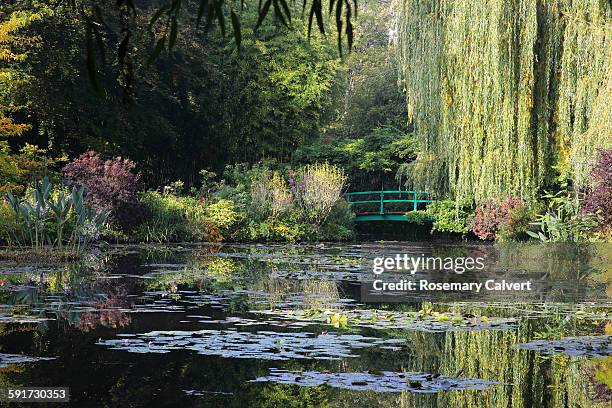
{"type": "Point", "coordinates": [220, 17]}
{"type": "Point", "coordinates": [203, 6]}
{"type": "Point", "coordinates": [278, 13]}
{"type": "Point", "coordinates": [157, 15]}
{"type": "Point", "coordinates": [236, 28]}
{"type": "Point", "coordinates": [263, 13]}
{"type": "Point", "coordinates": [173, 33]}
{"type": "Point", "coordinates": [158, 49]}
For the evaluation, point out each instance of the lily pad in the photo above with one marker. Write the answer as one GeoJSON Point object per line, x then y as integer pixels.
{"type": "Point", "coordinates": [383, 319]}
{"type": "Point", "coordinates": [387, 381]}
{"type": "Point", "coordinates": [8, 359]}
{"type": "Point", "coordinates": [586, 346]}
{"type": "Point", "coordinates": [265, 345]}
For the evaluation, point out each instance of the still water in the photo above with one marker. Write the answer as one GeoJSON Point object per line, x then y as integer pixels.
{"type": "Point", "coordinates": [295, 326]}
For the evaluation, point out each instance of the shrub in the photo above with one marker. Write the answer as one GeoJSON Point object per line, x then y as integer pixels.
{"type": "Point", "coordinates": [599, 197]}
{"type": "Point", "coordinates": [275, 230]}
{"type": "Point", "coordinates": [282, 199]}
{"type": "Point", "coordinates": [197, 224]}
{"type": "Point", "coordinates": [448, 216]}
{"type": "Point", "coordinates": [207, 184]}
{"type": "Point", "coordinates": [516, 225]}
{"type": "Point", "coordinates": [339, 225]}
{"type": "Point", "coordinates": [261, 196]}
{"type": "Point", "coordinates": [178, 219]}
{"type": "Point", "coordinates": [316, 189]}
{"type": "Point", "coordinates": [221, 217]}
{"type": "Point", "coordinates": [419, 217]}
{"type": "Point", "coordinates": [110, 185]}
{"type": "Point", "coordinates": [166, 219]}
{"type": "Point", "coordinates": [491, 215]}
{"type": "Point", "coordinates": [9, 224]}
{"type": "Point", "coordinates": [564, 221]}
{"type": "Point", "coordinates": [23, 168]}
{"type": "Point", "coordinates": [270, 196]}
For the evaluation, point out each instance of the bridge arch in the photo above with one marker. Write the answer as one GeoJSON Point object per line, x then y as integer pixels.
{"type": "Point", "coordinates": [386, 205]}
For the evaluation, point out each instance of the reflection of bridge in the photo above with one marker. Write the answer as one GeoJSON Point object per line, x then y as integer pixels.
{"type": "Point", "coordinates": [370, 205]}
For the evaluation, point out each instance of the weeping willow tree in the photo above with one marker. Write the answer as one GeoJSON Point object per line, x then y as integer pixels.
{"type": "Point", "coordinates": [505, 94]}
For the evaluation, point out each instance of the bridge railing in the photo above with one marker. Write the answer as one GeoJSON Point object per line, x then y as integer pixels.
{"type": "Point", "coordinates": [414, 198]}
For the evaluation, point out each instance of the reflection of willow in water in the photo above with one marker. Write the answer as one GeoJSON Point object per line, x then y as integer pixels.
{"type": "Point", "coordinates": [556, 261]}
{"type": "Point", "coordinates": [320, 293]}
{"type": "Point", "coordinates": [526, 379]}
{"type": "Point", "coordinates": [310, 293]}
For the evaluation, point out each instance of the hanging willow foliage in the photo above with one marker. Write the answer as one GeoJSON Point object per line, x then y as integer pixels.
{"type": "Point", "coordinates": [504, 93]}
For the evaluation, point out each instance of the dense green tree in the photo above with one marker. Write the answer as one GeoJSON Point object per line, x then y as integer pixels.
{"type": "Point", "coordinates": [203, 105]}
{"type": "Point", "coordinates": [367, 133]}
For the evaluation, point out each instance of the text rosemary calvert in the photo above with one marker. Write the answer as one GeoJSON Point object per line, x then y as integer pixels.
{"type": "Point", "coordinates": [458, 265]}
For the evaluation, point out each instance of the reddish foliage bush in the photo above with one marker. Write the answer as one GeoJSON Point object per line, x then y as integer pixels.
{"type": "Point", "coordinates": [491, 215]}
{"type": "Point", "coordinates": [599, 196]}
{"type": "Point", "coordinates": [109, 185]}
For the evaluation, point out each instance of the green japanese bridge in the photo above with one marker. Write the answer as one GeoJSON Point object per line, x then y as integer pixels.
{"type": "Point", "coordinates": [386, 205]}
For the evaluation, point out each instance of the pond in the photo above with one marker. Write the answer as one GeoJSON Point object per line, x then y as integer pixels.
{"type": "Point", "coordinates": [289, 325]}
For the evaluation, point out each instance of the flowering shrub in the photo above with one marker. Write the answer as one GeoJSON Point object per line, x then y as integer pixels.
{"type": "Point", "coordinates": [110, 185]}
{"type": "Point", "coordinates": [491, 215]}
{"type": "Point", "coordinates": [260, 194]}
{"type": "Point", "coordinates": [316, 188]}
{"type": "Point", "coordinates": [599, 197]}
{"type": "Point", "coordinates": [282, 199]}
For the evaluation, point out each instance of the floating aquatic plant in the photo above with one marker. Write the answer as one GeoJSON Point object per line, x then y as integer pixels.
{"type": "Point", "coordinates": [428, 321]}
{"type": "Point", "coordinates": [586, 346]}
{"type": "Point", "coordinates": [8, 359]}
{"type": "Point", "coordinates": [384, 382]}
{"type": "Point", "coordinates": [266, 345]}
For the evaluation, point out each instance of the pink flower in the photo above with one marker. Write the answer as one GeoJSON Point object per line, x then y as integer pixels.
{"type": "Point", "coordinates": [290, 171]}
{"type": "Point", "coordinates": [291, 181]}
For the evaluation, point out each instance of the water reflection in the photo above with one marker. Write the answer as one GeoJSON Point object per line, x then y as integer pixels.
{"type": "Point", "coordinates": [197, 325]}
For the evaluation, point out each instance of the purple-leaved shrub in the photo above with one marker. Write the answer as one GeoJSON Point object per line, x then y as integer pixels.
{"type": "Point", "coordinates": [109, 185]}
{"type": "Point", "coordinates": [599, 196]}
